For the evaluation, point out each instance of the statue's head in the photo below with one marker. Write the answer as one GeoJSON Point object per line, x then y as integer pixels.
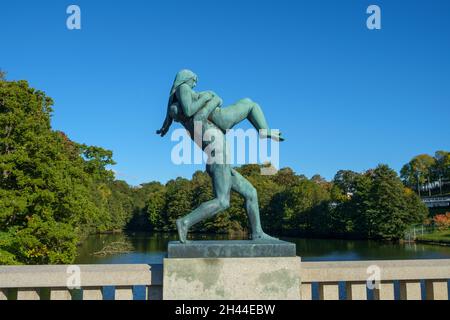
{"type": "Point", "coordinates": [185, 76]}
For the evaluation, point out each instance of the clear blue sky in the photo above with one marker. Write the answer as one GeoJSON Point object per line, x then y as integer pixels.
{"type": "Point", "coordinates": [345, 97]}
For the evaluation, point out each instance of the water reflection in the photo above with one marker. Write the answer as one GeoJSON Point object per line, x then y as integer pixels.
{"type": "Point", "coordinates": [151, 248]}
{"type": "Point", "coordinates": [339, 250]}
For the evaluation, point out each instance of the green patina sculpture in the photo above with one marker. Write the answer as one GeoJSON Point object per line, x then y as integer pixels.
{"type": "Point", "coordinates": [205, 108]}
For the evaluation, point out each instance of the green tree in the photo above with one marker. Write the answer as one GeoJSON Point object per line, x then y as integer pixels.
{"type": "Point", "coordinates": [155, 206]}
{"type": "Point", "coordinates": [48, 195]}
{"type": "Point", "coordinates": [178, 201]}
{"type": "Point", "coordinates": [305, 207]}
{"type": "Point", "coordinates": [120, 204]}
{"type": "Point", "coordinates": [96, 160]}
{"type": "Point", "coordinates": [37, 181]}
{"type": "Point", "coordinates": [346, 181]}
{"type": "Point", "coordinates": [442, 165]}
{"type": "Point", "coordinates": [286, 177]}
{"type": "Point", "coordinates": [418, 170]}
{"type": "Point", "coordinates": [392, 209]}
{"type": "Point", "coordinates": [148, 201]}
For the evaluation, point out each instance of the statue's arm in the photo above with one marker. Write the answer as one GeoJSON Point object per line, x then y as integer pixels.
{"type": "Point", "coordinates": [189, 107]}
{"type": "Point", "coordinates": [166, 125]}
{"type": "Point", "coordinates": [210, 106]}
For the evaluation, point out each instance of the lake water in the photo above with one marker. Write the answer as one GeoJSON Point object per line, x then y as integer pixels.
{"type": "Point", "coordinates": [151, 248]}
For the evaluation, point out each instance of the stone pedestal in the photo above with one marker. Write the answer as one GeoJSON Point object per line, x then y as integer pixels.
{"type": "Point", "coordinates": [231, 249]}
{"type": "Point", "coordinates": [262, 278]}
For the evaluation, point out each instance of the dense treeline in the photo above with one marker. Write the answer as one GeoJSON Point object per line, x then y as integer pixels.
{"type": "Point", "coordinates": [373, 204]}
{"type": "Point", "coordinates": [54, 191]}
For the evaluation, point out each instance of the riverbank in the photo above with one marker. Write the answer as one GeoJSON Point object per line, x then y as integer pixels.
{"type": "Point", "coordinates": [438, 237]}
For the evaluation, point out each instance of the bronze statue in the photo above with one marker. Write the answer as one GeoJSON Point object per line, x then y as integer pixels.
{"type": "Point", "coordinates": [205, 108]}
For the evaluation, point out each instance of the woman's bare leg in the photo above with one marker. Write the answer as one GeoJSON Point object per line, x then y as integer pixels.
{"type": "Point", "coordinates": [228, 117]}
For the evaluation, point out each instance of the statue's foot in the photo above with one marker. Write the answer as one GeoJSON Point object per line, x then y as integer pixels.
{"type": "Point", "coordinates": [275, 135]}
{"type": "Point", "coordinates": [262, 236]}
{"type": "Point", "coordinates": [182, 230]}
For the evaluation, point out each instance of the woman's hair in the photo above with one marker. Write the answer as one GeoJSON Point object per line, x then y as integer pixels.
{"type": "Point", "coordinates": [182, 77]}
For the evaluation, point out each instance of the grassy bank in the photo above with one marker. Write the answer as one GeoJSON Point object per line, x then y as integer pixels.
{"type": "Point", "coordinates": [439, 237]}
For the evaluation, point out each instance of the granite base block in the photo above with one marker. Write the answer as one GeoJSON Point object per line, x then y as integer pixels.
{"type": "Point", "coordinates": [231, 249]}
{"type": "Point", "coordinates": [269, 278]}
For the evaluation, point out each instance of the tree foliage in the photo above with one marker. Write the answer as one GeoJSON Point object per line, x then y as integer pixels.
{"type": "Point", "coordinates": [53, 191]}
{"type": "Point", "coordinates": [425, 168]}
{"type": "Point", "coordinates": [373, 204]}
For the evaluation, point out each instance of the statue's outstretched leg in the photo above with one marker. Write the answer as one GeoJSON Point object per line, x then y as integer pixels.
{"type": "Point", "coordinates": [228, 117]}
{"type": "Point", "coordinates": [245, 188]}
{"type": "Point", "coordinates": [221, 178]}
